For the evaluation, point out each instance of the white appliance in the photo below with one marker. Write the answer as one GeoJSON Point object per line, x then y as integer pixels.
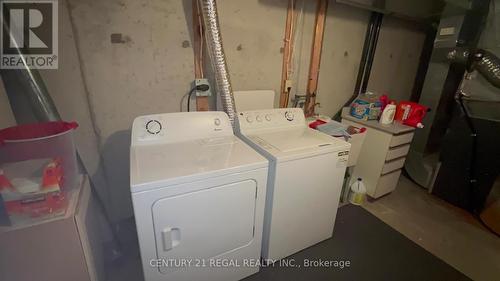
{"type": "Point", "coordinates": [198, 194]}
{"type": "Point", "coordinates": [306, 174]}
{"type": "Point", "coordinates": [253, 100]}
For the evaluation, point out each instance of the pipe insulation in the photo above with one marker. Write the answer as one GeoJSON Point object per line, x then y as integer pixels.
{"type": "Point", "coordinates": [217, 57]}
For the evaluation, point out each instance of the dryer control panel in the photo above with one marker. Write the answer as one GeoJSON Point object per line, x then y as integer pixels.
{"type": "Point", "coordinates": [270, 119]}
{"type": "Point", "coordinates": [180, 126]}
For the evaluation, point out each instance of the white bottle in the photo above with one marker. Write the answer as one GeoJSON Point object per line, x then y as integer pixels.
{"type": "Point", "coordinates": [388, 115]}
{"type": "Point", "coordinates": [358, 192]}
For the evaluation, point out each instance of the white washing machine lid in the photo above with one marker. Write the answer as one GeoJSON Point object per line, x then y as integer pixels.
{"type": "Point", "coordinates": [296, 142]}
{"type": "Point", "coordinates": [162, 165]}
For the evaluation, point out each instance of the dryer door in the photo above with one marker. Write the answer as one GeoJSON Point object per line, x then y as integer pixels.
{"type": "Point", "coordinates": [203, 224]}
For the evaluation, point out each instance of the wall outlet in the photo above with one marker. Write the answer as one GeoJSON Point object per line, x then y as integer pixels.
{"type": "Point", "coordinates": [200, 82]}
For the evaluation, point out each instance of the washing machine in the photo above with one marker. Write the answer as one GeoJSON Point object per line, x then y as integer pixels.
{"type": "Point", "coordinates": [198, 195]}
{"type": "Point", "coordinates": [306, 174]}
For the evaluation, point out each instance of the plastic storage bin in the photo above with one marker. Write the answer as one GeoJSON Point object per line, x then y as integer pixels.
{"type": "Point", "coordinates": [342, 132]}
{"type": "Point", "coordinates": [38, 168]}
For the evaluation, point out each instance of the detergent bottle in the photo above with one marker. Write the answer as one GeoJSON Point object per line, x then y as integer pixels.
{"type": "Point", "coordinates": [416, 115]}
{"type": "Point", "coordinates": [357, 195]}
{"type": "Point", "coordinates": [388, 114]}
{"type": "Point", "coordinates": [411, 113]}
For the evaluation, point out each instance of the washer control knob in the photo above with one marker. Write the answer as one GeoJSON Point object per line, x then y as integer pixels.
{"type": "Point", "coordinates": [258, 118]}
{"type": "Point", "coordinates": [268, 117]}
{"type": "Point", "coordinates": [289, 116]}
{"type": "Point", "coordinates": [249, 119]}
{"type": "Point", "coordinates": [153, 127]}
{"type": "Point", "coordinates": [217, 122]}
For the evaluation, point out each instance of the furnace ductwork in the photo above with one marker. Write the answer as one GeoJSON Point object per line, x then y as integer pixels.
{"type": "Point", "coordinates": [483, 61]}
{"type": "Point", "coordinates": [489, 67]}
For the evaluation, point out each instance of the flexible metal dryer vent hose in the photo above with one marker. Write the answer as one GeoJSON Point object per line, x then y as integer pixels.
{"type": "Point", "coordinates": [217, 57]}
{"type": "Point", "coordinates": [483, 61]}
{"type": "Point", "coordinates": [489, 66]}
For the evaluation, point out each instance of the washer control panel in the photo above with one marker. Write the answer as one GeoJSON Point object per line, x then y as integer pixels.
{"type": "Point", "coordinates": [180, 126]}
{"type": "Point", "coordinates": [270, 118]}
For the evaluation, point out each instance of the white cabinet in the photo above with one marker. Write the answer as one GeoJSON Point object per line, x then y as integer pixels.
{"type": "Point", "coordinates": [383, 154]}
{"type": "Point", "coordinates": [64, 248]}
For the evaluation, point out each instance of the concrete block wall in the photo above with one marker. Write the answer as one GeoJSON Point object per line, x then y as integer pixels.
{"type": "Point", "coordinates": [148, 67]}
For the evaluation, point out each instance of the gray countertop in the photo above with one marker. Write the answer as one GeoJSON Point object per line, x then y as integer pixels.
{"type": "Point", "coordinates": [395, 128]}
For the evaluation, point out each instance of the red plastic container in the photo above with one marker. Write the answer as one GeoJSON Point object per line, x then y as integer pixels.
{"type": "Point", "coordinates": [410, 113]}
{"type": "Point", "coordinates": [37, 168]}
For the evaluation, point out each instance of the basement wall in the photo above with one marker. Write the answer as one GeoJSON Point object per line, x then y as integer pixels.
{"type": "Point", "coordinates": [147, 67]}
{"type": "Point", "coordinates": [397, 58]}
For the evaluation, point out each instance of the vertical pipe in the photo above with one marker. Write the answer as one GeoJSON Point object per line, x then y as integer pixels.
{"type": "Point", "coordinates": [371, 56]}
{"type": "Point", "coordinates": [364, 55]}
{"type": "Point", "coordinates": [36, 94]}
{"type": "Point", "coordinates": [371, 39]}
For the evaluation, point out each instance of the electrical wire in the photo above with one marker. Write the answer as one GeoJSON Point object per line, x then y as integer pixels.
{"type": "Point", "coordinates": [190, 94]}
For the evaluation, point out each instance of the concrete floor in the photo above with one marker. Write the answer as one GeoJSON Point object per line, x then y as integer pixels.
{"type": "Point", "coordinates": [449, 233]}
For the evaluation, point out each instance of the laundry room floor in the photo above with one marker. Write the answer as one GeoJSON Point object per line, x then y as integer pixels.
{"type": "Point", "coordinates": [444, 230]}
{"type": "Point", "coordinates": [407, 235]}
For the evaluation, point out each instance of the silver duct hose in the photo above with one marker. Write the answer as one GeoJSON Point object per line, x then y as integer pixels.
{"type": "Point", "coordinates": [489, 66]}
{"type": "Point", "coordinates": [217, 57]}
{"type": "Point", "coordinates": [485, 62]}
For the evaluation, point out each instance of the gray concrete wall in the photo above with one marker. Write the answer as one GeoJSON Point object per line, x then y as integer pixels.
{"type": "Point", "coordinates": [151, 69]}
{"type": "Point", "coordinates": [396, 58]}
{"type": "Point", "coordinates": [342, 47]}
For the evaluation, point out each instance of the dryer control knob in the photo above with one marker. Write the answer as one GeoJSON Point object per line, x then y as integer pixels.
{"type": "Point", "coordinates": [153, 127]}
{"type": "Point", "coordinates": [249, 119]}
{"type": "Point", "coordinates": [258, 118]}
{"type": "Point", "coordinates": [217, 122]}
{"type": "Point", "coordinates": [289, 116]}
{"type": "Point", "coordinates": [268, 117]}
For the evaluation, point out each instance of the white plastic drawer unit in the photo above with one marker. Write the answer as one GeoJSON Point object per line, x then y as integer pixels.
{"type": "Point", "coordinates": [396, 152]}
{"type": "Point", "coordinates": [387, 183]}
{"type": "Point", "coordinates": [401, 139]}
{"type": "Point", "coordinates": [382, 155]}
{"type": "Point", "coordinates": [219, 220]}
{"type": "Point", "coordinates": [393, 165]}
